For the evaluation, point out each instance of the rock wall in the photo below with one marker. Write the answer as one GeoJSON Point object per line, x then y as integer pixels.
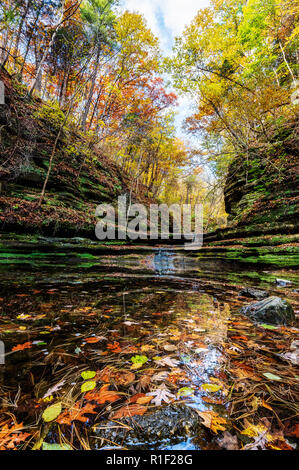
{"type": "Point", "coordinates": [261, 198]}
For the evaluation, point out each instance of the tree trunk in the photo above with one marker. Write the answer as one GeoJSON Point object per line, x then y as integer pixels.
{"type": "Point", "coordinates": [92, 87]}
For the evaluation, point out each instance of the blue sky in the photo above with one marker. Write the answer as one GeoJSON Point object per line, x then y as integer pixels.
{"type": "Point", "coordinates": [167, 19]}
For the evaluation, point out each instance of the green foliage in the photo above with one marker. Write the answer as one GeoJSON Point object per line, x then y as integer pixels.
{"type": "Point", "coordinates": [51, 114]}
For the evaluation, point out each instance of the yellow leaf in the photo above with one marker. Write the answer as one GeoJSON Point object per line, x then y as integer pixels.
{"type": "Point", "coordinates": [211, 387]}
{"type": "Point", "coordinates": [88, 386]}
{"type": "Point", "coordinates": [254, 431]}
{"type": "Point", "coordinates": [52, 412]}
{"type": "Point", "coordinates": [212, 420]}
{"type": "Point", "coordinates": [136, 366]}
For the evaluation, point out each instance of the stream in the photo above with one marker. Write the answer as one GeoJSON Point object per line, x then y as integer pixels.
{"type": "Point", "coordinates": [60, 317]}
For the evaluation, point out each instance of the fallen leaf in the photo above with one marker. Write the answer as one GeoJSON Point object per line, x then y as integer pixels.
{"type": "Point", "coordinates": [211, 387]}
{"type": "Point", "coordinates": [103, 395]}
{"type": "Point", "coordinates": [88, 386]}
{"type": "Point", "coordinates": [128, 411]}
{"type": "Point", "coordinates": [21, 347]}
{"type": "Point", "coordinates": [161, 394]}
{"type": "Point", "coordinates": [229, 442]}
{"type": "Point", "coordinates": [170, 347]}
{"type": "Point", "coordinates": [272, 377]}
{"type": "Point", "coordinates": [54, 389]}
{"type": "Point", "coordinates": [52, 412]}
{"type": "Point", "coordinates": [93, 340]}
{"type": "Point", "coordinates": [76, 414]}
{"type": "Point", "coordinates": [88, 374]}
{"type": "Point", "coordinates": [212, 420]}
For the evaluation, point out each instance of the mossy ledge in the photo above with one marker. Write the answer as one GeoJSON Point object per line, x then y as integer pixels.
{"type": "Point", "coordinates": [261, 198]}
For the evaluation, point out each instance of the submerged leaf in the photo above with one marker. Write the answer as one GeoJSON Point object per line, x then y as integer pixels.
{"type": "Point", "coordinates": [272, 376]}
{"type": "Point", "coordinates": [88, 374]}
{"type": "Point", "coordinates": [211, 387]}
{"type": "Point", "coordinates": [212, 420]}
{"type": "Point", "coordinates": [128, 411]}
{"type": "Point", "coordinates": [52, 412]}
{"type": "Point", "coordinates": [47, 446]}
{"type": "Point", "coordinates": [88, 386]}
{"type": "Point", "coordinates": [161, 394]}
{"type": "Point", "coordinates": [186, 392]}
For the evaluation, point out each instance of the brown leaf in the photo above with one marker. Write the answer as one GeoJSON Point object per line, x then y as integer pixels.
{"type": "Point", "coordinates": [76, 414]}
{"type": "Point", "coordinates": [9, 437]}
{"type": "Point", "coordinates": [120, 377]}
{"type": "Point", "coordinates": [229, 442]}
{"type": "Point", "coordinates": [212, 420]}
{"type": "Point", "coordinates": [103, 396]}
{"type": "Point", "coordinates": [128, 411]}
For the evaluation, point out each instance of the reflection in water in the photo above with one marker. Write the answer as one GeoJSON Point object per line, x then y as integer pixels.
{"type": "Point", "coordinates": [71, 321]}
{"type": "Point", "coordinates": [163, 262]}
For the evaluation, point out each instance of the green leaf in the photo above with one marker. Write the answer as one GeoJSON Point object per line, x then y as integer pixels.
{"type": "Point", "coordinates": [52, 412]}
{"type": "Point", "coordinates": [139, 359]}
{"type": "Point", "coordinates": [47, 446]}
{"type": "Point", "coordinates": [88, 386]}
{"type": "Point", "coordinates": [88, 374]}
{"type": "Point", "coordinates": [272, 376]}
{"type": "Point", "coordinates": [186, 392]}
{"type": "Point", "coordinates": [269, 327]}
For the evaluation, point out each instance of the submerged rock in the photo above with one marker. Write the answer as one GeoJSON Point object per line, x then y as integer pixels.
{"type": "Point", "coordinates": [283, 283]}
{"type": "Point", "coordinates": [254, 293]}
{"type": "Point", "coordinates": [170, 424]}
{"type": "Point", "coordinates": [273, 310]}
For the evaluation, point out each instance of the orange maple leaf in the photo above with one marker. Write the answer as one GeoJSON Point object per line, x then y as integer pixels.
{"type": "Point", "coordinates": [76, 414]}
{"type": "Point", "coordinates": [103, 395]}
{"type": "Point", "coordinates": [21, 347]}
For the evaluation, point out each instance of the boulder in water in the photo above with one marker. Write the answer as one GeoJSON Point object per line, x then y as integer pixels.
{"type": "Point", "coordinates": [254, 293]}
{"type": "Point", "coordinates": [273, 310]}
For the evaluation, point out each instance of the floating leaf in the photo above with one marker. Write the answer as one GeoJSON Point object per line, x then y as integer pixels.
{"type": "Point", "coordinates": [144, 400]}
{"type": "Point", "coordinates": [161, 394]}
{"type": "Point", "coordinates": [170, 347]}
{"type": "Point", "coordinates": [21, 347]}
{"type": "Point", "coordinates": [268, 327]}
{"type": "Point", "coordinates": [186, 392]}
{"type": "Point", "coordinates": [103, 395]}
{"type": "Point", "coordinates": [211, 387]}
{"type": "Point", "coordinates": [88, 386]}
{"type": "Point", "coordinates": [212, 420]}
{"type": "Point", "coordinates": [167, 361]}
{"type": "Point", "coordinates": [229, 442]}
{"type": "Point", "coordinates": [128, 411]}
{"type": "Point", "coordinates": [76, 413]}
{"type": "Point", "coordinates": [254, 430]}
{"type": "Point", "coordinates": [139, 359]}
{"type": "Point", "coordinates": [272, 376]}
{"type": "Point", "coordinates": [54, 389]}
{"type": "Point", "coordinates": [52, 412]}
{"type": "Point", "coordinates": [93, 340]}
{"type": "Point", "coordinates": [47, 446]}
{"type": "Point", "coordinates": [88, 374]}
{"type": "Point", "coordinates": [120, 377]}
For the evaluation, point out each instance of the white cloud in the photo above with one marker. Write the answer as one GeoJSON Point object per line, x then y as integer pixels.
{"type": "Point", "coordinates": [166, 18]}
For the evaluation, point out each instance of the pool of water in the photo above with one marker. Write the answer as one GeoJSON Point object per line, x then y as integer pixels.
{"type": "Point", "coordinates": [165, 329]}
